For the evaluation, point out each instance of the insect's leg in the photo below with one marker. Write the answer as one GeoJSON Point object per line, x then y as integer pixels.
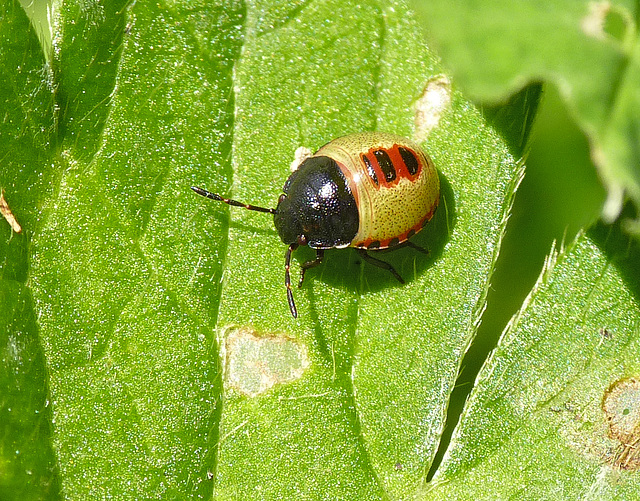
{"type": "Point", "coordinates": [311, 264]}
{"type": "Point", "coordinates": [380, 264]}
{"type": "Point", "coordinates": [409, 243]}
{"type": "Point", "coordinates": [406, 243]}
{"type": "Point", "coordinates": [287, 279]}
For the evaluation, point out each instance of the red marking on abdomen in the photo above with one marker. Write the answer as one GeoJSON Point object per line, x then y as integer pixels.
{"type": "Point", "coordinates": [395, 166]}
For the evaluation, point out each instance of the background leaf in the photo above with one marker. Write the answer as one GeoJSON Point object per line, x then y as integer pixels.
{"type": "Point", "coordinates": [588, 50]}
{"type": "Point", "coordinates": [27, 462]}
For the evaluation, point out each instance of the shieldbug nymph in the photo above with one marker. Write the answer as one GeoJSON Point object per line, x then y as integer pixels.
{"type": "Point", "coordinates": [369, 190]}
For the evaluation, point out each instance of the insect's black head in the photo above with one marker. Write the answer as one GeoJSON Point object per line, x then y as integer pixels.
{"type": "Point", "coordinates": [317, 207]}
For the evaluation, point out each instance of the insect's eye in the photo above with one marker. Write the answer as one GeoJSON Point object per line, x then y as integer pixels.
{"type": "Point", "coordinates": [282, 197]}
{"type": "Point", "coordinates": [302, 240]}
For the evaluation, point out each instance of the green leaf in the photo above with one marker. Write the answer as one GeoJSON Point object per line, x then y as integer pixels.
{"type": "Point", "coordinates": [27, 461]}
{"type": "Point", "coordinates": [556, 408]}
{"type": "Point", "coordinates": [125, 271]}
{"type": "Point", "coordinates": [366, 415]}
{"type": "Point", "coordinates": [174, 367]}
{"type": "Point", "coordinates": [86, 64]}
{"type": "Point", "coordinates": [588, 50]}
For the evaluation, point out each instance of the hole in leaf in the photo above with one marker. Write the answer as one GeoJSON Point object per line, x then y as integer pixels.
{"type": "Point", "coordinates": [605, 20]}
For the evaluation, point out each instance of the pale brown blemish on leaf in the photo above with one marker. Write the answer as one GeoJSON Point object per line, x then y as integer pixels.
{"type": "Point", "coordinates": [300, 155]}
{"type": "Point", "coordinates": [256, 362]}
{"type": "Point", "coordinates": [593, 23]}
{"type": "Point", "coordinates": [431, 105]}
{"type": "Point", "coordinates": [621, 405]}
{"type": "Point", "coordinates": [8, 215]}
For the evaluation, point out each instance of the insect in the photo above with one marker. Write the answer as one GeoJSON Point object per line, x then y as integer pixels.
{"type": "Point", "coordinates": [369, 190]}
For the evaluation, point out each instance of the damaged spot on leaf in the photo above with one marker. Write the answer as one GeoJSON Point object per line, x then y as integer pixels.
{"type": "Point", "coordinates": [605, 21]}
{"type": "Point", "coordinates": [434, 101]}
{"type": "Point", "coordinates": [621, 404]}
{"type": "Point", "coordinates": [257, 362]}
{"type": "Point", "coordinates": [605, 333]}
{"type": "Point", "coordinates": [300, 156]}
{"type": "Point", "coordinates": [593, 23]}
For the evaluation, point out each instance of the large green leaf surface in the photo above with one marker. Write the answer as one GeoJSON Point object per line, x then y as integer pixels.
{"type": "Point", "coordinates": [127, 310]}
{"type": "Point", "coordinates": [164, 360]}
{"type": "Point", "coordinates": [364, 420]}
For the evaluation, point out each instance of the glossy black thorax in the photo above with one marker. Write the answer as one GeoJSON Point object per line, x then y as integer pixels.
{"type": "Point", "coordinates": [317, 207]}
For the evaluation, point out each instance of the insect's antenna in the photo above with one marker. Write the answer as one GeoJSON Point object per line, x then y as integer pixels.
{"type": "Point", "coordinates": [287, 279]}
{"type": "Point", "coordinates": [228, 201]}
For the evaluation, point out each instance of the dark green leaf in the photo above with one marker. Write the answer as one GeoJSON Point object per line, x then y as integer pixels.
{"type": "Point", "coordinates": [28, 467]}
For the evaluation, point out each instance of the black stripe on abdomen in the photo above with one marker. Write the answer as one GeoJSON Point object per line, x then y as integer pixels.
{"type": "Point", "coordinates": [409, 160]}
{"type": "Point", "coordinates": [370, 170]}
{"type": "Point", "coordinates": [386, 165]}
